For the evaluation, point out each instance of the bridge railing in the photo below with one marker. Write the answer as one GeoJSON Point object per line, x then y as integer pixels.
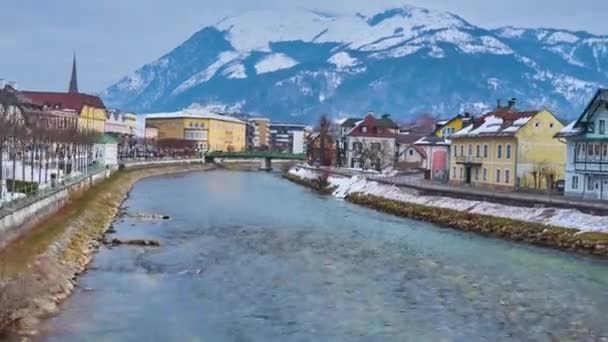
{"type": "Point", "coordinates": [260, 154]}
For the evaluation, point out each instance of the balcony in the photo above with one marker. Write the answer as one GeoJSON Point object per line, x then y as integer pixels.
{"type": "Point", "coordinates": [592, 165]}
{"type": "Point", "coordinates": [468, 160]}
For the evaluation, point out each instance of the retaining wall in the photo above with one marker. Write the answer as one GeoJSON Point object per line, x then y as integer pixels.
{"type": "Point", "coordinates": [17, 221]}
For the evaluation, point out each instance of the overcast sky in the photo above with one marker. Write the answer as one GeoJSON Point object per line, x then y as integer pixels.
{"type": "Point", "coordinates": [114, 37]}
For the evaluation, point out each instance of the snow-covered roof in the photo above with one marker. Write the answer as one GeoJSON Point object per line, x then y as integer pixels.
{"type": "Point", "coordinates": [569, 131]}
{"type": "Point", "coordinates": [498, 123]}
{"type": "Point", "coordinates": [198, 113]}
{"type": "Point", "coordinates": [432, 140]}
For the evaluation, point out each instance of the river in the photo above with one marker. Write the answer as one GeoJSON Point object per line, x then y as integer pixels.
{"type": "Point", "coordinates": [251, 257]}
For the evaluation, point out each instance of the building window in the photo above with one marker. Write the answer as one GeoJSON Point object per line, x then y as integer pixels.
{"type": "Point", "coordinates": [574, 182]}
{"type": "Point", "coordinates": [357, 147]}
{"type": "Point", "coordinates": [476, 174]}
{"type": "Point", "coordinates": [499, 152]}
{"type": "Point", "coordinates": [462, 150]}
{"type": "Point", "coordinates": [411, 152]}
{"type": "Point", "coordinates": [455, 151]}
{"type": "Point", "coordinates": [508, 151]}
{"type": "Point", "coordinates": [498, 176]}
{"type": "Point", "coordinates": [470, 150]}
{"type": "Point", "coordinates": [507, 176]}
{"type": "Point", "coordinates": [478, 151]}
{"type": "Point", "coordinates": [589, 184]}
{"type": "Point", "coordinates": [485, 151]}
{"type": "Point", "coordinates": [454, 172]}
{"type": "Point", "coordinates": [461, 172]}
{"type": "Point", "coordinates": [590, 127]}
{"type": "Point", "coordinates": [605, 152]}
{"type": "Point", "coordinates": [364, 129]}
{"type": "Point", "coordinates": [485, 174]}
{"type": "Point", "coordinates": [551, 125]}
{"type": "Point", "coordinates": [602, 126]}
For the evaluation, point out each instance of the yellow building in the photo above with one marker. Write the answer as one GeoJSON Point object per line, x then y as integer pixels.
{"type": "Point", "coordinates": [209, 131]}
{"type": "Point", "coordinates": [90, 109]}
{"type": "Point", "coordinates": [508, 149]}
{"type": "Point", "coordinates": [444, 129]}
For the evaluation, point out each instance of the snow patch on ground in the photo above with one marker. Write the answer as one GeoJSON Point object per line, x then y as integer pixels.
{"type": "Point", "coordinates": [207, 74]}
{"type": "Point", "coordinates": [561, 37]}
{"type": "Point", "coordinates": [235, 71]}
{"type": "Point", "coordinates": [132, 83]}
{"type": "Point", "coordinates": [567, 218]}
{"type": "Point", "coordinates": [342, 60]}
{"type": "Point", "coordinates": [275, 62]}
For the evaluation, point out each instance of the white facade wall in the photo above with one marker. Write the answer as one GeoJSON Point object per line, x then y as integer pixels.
{"type": "Point", "coordinates": [386, 155]}
{"type": "Point", "coordinates": [298, 142]}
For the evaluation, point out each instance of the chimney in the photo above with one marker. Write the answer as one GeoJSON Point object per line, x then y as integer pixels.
{"type": "Point", "coordinates": [512, 102]}
{"type": "Point", "coordinates": [498, 104]}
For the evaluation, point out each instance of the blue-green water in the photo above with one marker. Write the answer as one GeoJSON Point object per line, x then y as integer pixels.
{"type": "Point", "coordinates": [252, 257]}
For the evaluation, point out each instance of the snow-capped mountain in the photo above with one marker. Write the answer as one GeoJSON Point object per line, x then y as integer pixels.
{"type": "Point", "coordinates": [295, 65]}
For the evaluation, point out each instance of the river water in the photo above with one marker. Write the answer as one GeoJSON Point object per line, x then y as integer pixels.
{"type": "Point", "coordinates": [252, 257]}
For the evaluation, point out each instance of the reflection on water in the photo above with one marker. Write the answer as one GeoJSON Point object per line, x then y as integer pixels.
{"type": "Point", "coordinates": [251, 257]}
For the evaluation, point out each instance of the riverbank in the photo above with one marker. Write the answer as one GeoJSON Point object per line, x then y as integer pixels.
{"type": "Point", "coordinates": [40, 270]}
{"type": "Point", "coordinates": [588, 237]}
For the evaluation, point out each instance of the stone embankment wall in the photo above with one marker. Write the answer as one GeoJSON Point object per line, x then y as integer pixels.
{"type": "Point", "coordinates": [18, 221]}
{"type": "Point", "coordinates": [595, 243]}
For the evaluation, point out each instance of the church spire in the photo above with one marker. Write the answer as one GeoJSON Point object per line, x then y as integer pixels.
{"type": "Point", "coordinates": [74, 79]}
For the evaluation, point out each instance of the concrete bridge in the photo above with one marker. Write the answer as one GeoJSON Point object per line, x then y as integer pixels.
{"type": "Point", "coordinates": [266, 157]}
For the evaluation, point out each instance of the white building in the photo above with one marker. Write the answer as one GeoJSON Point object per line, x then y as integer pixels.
{"type": "Point", "coordinates": [587, 151]}
{"type": "Point", "coordinates": [372, 143]}
{"type": "Point", "coordinates": [288, 138]}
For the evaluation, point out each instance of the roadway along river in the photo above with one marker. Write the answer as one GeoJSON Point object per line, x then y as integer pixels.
{"type": "Point", "coordinates": [252, 257]}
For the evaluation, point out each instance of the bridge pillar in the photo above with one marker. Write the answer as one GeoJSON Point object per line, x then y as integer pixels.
{"type": "Point", "coordinates": [266, 164]}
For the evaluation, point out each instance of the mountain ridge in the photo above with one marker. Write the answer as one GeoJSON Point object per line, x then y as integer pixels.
{"type": "Point", "coordinates": [295, 65]}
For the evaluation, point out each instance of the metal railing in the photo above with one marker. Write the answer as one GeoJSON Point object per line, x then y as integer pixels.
{"type": "Point", "coordinates": [27, 192]}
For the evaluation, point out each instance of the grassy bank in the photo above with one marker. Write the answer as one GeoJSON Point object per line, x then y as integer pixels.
{"type": "Point", "coordinates": [319, 184]}
{"type": "Point", "coordinates": [505, 228]}
{"type": "Point", "coordinates": [38, 271]}
{"type": "Point", "coordinates": [532, 233]}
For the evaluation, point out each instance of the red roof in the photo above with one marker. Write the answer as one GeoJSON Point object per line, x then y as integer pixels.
{"type": "Point", "coordinates": [74, 101]}
{"type": "Point", "coordinates": [369, 127]}
{"type": "Point", "coordinates": [507, 114]}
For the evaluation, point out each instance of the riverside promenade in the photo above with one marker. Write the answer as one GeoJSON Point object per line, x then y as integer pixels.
{"type": "Point", "coordinates": [416, 181]}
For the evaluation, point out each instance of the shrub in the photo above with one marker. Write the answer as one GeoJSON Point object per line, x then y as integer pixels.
{"type": "Point", "coordinates": [28, 188]}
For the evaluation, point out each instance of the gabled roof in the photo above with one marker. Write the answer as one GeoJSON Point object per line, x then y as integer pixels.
{"type": "Point", "coordinates": [578, 127]}
{"type": "Point", "coordinates": [405, 139]}
{"type": "Point", "coordinates": [375, 128]}
{"type": "Point", "coordinates": [432, 140]}
{"type": "Point", "coordinates": [601, 96]}
{"type": "Point", "coordinates": [569, 131]}
{"type": "Point", "coordinates": [418, 150]}
{"type": "Point", "coordinates": [73, 101]}
{"type": "Point", "coordinates": [504, 121]}
{"type": "Point", "coordinates": [350, 122]}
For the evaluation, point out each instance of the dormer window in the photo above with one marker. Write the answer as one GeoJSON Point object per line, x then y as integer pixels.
{"type": "Point", "coordinates": [537, 124]}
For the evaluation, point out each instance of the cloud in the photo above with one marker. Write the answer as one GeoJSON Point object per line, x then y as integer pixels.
{"type": "Point", "coordinates": [114, 37]}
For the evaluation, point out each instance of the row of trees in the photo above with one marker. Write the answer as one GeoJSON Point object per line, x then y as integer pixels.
{"type": "Point", "coordinates": [32, 150]}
